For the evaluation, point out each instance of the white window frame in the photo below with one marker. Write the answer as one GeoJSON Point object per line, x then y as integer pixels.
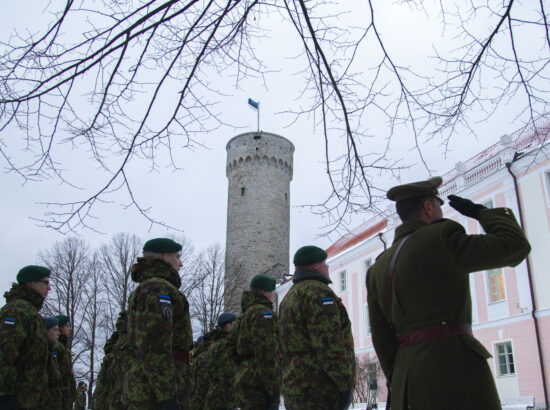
{"type": "Point", "coordinates": [489, 300]}
{"type": "Point", "coordinates": [496, 357]}
{"type": "Point", "coordinates": [342, 275]}
{"type": "Point", "coordinates": [366, 321]}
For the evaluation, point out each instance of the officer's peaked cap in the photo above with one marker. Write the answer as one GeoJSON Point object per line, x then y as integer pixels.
{"type": "Point", "coordinates": [415, 190]}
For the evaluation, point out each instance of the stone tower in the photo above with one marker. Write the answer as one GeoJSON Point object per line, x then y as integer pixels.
{"type": "Point", "coordinates": [259, 170]}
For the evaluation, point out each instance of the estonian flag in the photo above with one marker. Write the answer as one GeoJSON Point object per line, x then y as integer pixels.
{"type": "Point", "coordinates": [254, 104]}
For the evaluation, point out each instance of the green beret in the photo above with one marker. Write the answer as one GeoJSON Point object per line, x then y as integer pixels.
{"type": "Point", "coordinates": [263, 282]}
{"type": "Point", "coordinates": [50, 322]}
{"type": "Point", "coordinates": [161, 245]}
{"type": "Point", "coordinates": [415, 190]}
{"type": "Point", "coordinates": [226, 317]}
{"type": "Point", "coordinates": [81, 384]}
{"type": "Point", "coordinates": [309, 255]}
{"type": "Point", "coordinates": [63, 320]}
{"type": "Point", "coordinates": [32, 273]}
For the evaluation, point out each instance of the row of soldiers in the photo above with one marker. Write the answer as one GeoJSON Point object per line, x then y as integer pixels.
{"type": "Point", "coordinates": [248, 361]}
{"type": "Point", "coordinates": [35, 363]}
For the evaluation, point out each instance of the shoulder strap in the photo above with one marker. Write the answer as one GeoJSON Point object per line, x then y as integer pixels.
{"type": "Point", "coordinates": [389, 279]}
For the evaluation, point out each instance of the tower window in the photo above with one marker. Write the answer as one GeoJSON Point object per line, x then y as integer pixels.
{"type": "Point", "coordinates": [286, 196]}
{"type": "Point", "coordinates": [257, 137]}
{"type": "Point", "coordinates": [242, 191]}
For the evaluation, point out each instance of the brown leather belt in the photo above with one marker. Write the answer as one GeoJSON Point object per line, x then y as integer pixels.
{"type": "Point", "coordinates": [433, 332]}
{"type": "Point", "coordinates": [181, 356]}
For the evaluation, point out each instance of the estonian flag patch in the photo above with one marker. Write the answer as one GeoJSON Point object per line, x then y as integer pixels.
{"type": "Point", "coordinates": [327, 301]}
{"type": "Point", "coordinates": [165, 299]}
{"type": "Point", "coordinates": [268, 315]}
{"type": "Point", "coordinates": [9, 321]}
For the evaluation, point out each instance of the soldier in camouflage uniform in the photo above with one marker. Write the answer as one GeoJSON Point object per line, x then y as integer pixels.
{"type": "Point", "coordinates": [200, 374]}
{"type": "Point", "coordinates": [23, 346]}
{"type": "Point", "coordinates": [110, 381]}
{"type": "Point", "coordinates": [222, 365]}
{"type": "Point", "coordinates": [420, 308]}
{"type": "Point", "coordinates": [53, 396]}
{"type": "Point", "coordinates": [315, 339]}
{"type": "Point", "coordinates": [80, 402]}
{"type": "Point", "coordinates": [68, 387]}
{"type": "Point", "coordinates": [103, 384]}
{"type": "Point", "coordinates": [258, 379]}
{"type": "Point", "coordinates": [159, 331]}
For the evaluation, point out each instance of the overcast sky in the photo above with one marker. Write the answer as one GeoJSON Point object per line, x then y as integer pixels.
{"type": "Point", "coordinates": [194, 199]}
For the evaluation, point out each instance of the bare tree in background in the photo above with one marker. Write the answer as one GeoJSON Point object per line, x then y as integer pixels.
{"type": "Point", "coordinates": [367, 373]}
{"type": "Point", "coordinates": [94, 318]}
{"type": "Point", "coordinates": [207, 300]}
{"type": "Point", "coordinates": [68, 261]}
{"type": "Point", "coordinates": [116, 257]}
{"type": "Point", "coordinates": [96, 91]}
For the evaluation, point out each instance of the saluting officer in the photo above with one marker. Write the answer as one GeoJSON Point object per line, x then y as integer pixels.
{"type": "Point", "coordinates": [419, 299]}
{"type": "Point", "coordinates": [159, 331]}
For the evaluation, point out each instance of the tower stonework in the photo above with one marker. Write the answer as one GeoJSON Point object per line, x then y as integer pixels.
{"type": "Point", "coordinates": [259, 170]}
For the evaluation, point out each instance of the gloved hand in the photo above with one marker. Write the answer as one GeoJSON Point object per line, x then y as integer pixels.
{"type": "Point", "coordinates": [172, 404]}
{"type": "Point", "coordinates": [344, 399]}
{"type": "Point", "coordinates": [465, 206]}
{"type": "Point", "coordinates": [274, 402]}
{"type": "Point", "coordinates": [7, 402]}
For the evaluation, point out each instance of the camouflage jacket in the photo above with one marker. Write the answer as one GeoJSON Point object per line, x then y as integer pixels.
{"type": "Point", "coordinates": [159, 336]}
{"type": "Point", "coordinates": [222, 366]}
{"type": "Point", "coordinates": [104, 383]}
{"type": "Point", "coordinates": [52, 399]}
{"type": "Point", "coordinates": [257, 345]}
{"type": "Point", "coordinates": [121, 360]}
{"type": "Point", "coordinates": [80, 402]}
{"type": "Point", "coordinates": [200, 377]}
{"type": "Point", "coordinates": [23, 347]}
{"type": "Point", "coordinates": [68, 385]}
{"type": "Point", "coordinates": [315, 337]}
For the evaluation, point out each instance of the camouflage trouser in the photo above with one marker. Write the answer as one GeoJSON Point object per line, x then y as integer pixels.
{"type": "Point", "coordinates": [252, 398]}
{"type": "Point", "coordinates": [311, 402]}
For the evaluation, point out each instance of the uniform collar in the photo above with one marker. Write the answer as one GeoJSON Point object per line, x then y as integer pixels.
{"type": "Point", "coordinates": [406, 228]}
{"type": "Point", "coordinates": [308, 274]}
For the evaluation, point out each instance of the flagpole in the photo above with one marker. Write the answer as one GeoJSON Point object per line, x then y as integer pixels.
{"type": "Point", "coordinates": [258, 116]}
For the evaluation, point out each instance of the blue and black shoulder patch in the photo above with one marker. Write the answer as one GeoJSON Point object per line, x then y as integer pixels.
{"type": "Point", "coordinates": [268, 315]}
{"type": "Point", "coordinates": [9, 321]}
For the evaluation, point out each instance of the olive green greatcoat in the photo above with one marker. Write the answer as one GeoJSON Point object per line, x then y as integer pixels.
{"type": "Point", "coordinates": [259, 375]}
{"type": "Point", "coordinates": [221, 367]}
{"type": "Point", "coordinates": [68, 386]}
{"type": "Point", "coordinates": [158, 326]}
{"type": "Point", "coordinates": [53, 396]}
{"type": "Point", "coordinates": [430, 286]}
{"type": "Point", "coordinates": [23, 347]}
{"type": "Point", "coordinates": [317, 343]}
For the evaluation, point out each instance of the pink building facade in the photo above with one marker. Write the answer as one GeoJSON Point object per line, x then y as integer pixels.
{"type": "Point", "coordinates": [511, 306]}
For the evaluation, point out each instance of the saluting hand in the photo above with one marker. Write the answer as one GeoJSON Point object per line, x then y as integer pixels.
{"type": "Point", "coordinates": [465, 206]}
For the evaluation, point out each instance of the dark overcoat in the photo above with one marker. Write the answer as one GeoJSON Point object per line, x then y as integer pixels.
{"type": "Point", "coordinates": [431, 286]}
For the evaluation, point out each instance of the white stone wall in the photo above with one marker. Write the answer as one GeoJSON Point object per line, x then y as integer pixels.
{"type": "Point", "coordinates": [259, 170]}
